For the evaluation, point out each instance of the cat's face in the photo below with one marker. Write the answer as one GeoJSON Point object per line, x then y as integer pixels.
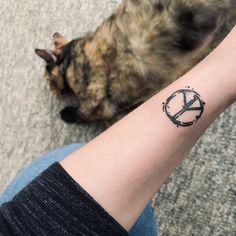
{"type": "Point", "coordinates": [71, 64]}
{"type": "Point", "coordinates": [53, 72]}
{"type": "Point", "coordinates": [56, 65]}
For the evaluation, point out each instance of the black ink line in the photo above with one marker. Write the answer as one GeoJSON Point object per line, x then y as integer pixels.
{"type": "Point", "coordinates": [185, 98]}
{"type": "Point", "coordinates": [194, 109]}
{"type": "Point", "coordinates": [186, 108]}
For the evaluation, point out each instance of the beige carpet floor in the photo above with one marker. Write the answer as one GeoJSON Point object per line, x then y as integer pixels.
{"type": "Point", "coordinates": [198, 199]}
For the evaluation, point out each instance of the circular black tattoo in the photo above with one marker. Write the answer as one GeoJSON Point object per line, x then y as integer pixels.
{"type": "Point", "coordinates": [179, 105]}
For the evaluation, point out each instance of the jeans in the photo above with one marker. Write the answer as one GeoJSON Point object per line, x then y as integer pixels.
{"type": "Point", "coordinates": [144, 226]}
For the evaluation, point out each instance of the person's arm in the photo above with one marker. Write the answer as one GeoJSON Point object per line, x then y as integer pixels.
{"type": "Point", "coordinates": [124, 167]}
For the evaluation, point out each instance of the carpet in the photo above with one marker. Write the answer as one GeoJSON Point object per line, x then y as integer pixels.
{"type": "Point", "coordinates": [200, 196]}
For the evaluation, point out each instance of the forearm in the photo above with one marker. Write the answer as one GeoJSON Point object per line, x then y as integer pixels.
{"type": "Point", "coordinates": [124, 167]}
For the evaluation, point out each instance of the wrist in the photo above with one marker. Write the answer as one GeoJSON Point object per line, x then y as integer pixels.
{"type": "Point", "coordinates": [218, 70]}
{"type": "Point", "coordinates": [223, 59]}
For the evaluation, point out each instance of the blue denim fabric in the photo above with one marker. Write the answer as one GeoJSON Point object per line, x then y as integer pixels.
{"type": "Point", "coordinates": [145, 225]}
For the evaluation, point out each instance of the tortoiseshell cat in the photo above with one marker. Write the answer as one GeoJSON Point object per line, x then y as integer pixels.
{"type": "Point", "coordinates": [141, 48]}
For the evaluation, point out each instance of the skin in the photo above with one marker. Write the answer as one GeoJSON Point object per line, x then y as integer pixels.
{"type": "Point", "coordinates": [127, 164]}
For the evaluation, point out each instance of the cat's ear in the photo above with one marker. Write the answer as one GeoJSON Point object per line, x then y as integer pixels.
{"type": "Point", "coordinates": [59, 41]}
{"type": "Point", "coordinates": [47, 55]}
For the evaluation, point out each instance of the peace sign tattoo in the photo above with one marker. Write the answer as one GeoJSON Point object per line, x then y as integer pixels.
{"type": "Point", "coordinates": [184, 107]}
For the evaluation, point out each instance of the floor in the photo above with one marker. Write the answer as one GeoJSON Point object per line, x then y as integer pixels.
{"type": "Point", "coordinates": [199, 197]}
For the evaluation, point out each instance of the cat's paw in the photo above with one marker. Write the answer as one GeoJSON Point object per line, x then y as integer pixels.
{"type": "Point", "coordinates": [69, 115]}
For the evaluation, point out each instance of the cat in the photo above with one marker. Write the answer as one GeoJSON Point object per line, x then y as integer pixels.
{"type": "Point", "coordinates": [140, 49]}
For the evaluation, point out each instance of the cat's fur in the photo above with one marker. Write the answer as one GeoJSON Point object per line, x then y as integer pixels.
{"type": "Point", "coordinates": [141, 48]}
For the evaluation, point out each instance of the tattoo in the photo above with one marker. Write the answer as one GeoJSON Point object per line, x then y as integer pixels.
{"type": "Point", "coordinates": [184, 107]}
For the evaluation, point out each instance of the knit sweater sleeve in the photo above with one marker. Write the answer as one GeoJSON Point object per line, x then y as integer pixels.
{"type": "Point", "coordinates": [54, 204]}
